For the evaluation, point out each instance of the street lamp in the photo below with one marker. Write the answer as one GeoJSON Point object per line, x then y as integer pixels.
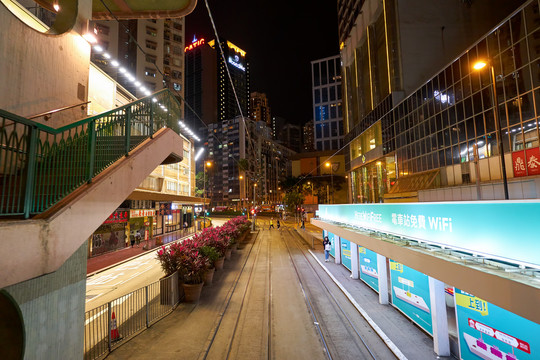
{"type": "Point", "coordinates": [478, 66]}
{"type": "Point", "coordinates": [206, 164]}
{"type": "Point", "coordinates": [255, 214]}
{"type": "Point", "coordinates": [242, 192]}
{"type": "Point", "coordinates": [331, 166]}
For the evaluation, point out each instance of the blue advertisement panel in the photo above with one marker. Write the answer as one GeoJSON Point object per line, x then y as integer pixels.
{"type": "Point", "coordinates": [333, 242]}
{"type": "Point", "coordinates": [487, 331]}
{"type": "Point", "coordinates": [346, 253]}
{"type": "Point", "coordinates": [368, 267]}
{"type": "Point", "coordinates": [481, 227]}
{"type": "Point", "coordinates": [410, 294]}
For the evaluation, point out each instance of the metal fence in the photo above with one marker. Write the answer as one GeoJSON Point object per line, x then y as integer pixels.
{"type": "Point", "coordinates": [107, 326]}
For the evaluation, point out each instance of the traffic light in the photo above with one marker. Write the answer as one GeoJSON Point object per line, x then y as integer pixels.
{"type": "Point", "coordinates": [252, 211]}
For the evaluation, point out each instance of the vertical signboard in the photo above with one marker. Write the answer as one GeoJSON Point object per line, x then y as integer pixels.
{"type": "Point", "coordinates": [487, 331]}
{"type": "Point", "coordinates": [368, 267]}
{"type": "Point", "coordinates": [346, 253]}
{"type": "Point", "coordinates": [410, 294]}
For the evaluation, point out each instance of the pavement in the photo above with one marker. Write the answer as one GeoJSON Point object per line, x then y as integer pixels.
{"type": "Point", "coordinates": [183, 333]}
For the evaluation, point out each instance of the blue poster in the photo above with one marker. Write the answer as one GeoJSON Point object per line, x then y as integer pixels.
{"type": "Point", "coordinates": [333, 242]}
{"type": "Point", "coordinates": [346, 253]}
{"type": "Point", "coordinates": [410, 294]}
{"type": "Point", "coordinates": [368, 267]}
{"type": "Point", "coordinates": [459, 225]}
{"type": "Point", "coordinates": [487, 331]}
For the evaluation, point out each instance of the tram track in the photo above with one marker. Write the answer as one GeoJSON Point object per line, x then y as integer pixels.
{"type": "Point", "coordinates": [342, 332]}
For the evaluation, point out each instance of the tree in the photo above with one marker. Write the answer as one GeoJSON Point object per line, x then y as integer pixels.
{"type": "Point", "coordinates": [293, 199]}
{"type": "Point", "coordinates": [199, 183]}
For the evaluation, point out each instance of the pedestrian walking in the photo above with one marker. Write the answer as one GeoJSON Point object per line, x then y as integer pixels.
{"type": "Point", "coordinates": [278, 224]}
{"type": "Point", "coordinates": [271, 224]}
{"type": "Point", "coordinates": [327, 247]}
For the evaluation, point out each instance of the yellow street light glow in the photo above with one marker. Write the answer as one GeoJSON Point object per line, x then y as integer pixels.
{"type": "Point", "coordinates": [241, 177]}
{"type": "Point", "coordinates": [479, 65]}
{"type": "Point", "coordinates": [208, 163]}
{"type": "Point", "coordinates": [327, 164]}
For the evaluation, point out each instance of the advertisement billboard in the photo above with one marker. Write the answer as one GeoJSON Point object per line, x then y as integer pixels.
{"type": "Point", "coordinates": [487, 331]}
{"type": "Point", "coordinates": [368, 267]}
{"type": "Point", "coordinates": [410, 294]}
{"type": "Point", "coordinates": [501, 230]}
{"type": "Point", "coordinates": [346, 253]}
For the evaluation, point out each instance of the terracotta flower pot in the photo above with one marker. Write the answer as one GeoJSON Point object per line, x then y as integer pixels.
{"type": "Point", "coordinates": [219, 263]}
{"type": "Point", "coordinates": [209, 275]}
{"type": "Point", "coordinates": [228, 253]}
{"type": "Point", "coordinates": [192, 292]}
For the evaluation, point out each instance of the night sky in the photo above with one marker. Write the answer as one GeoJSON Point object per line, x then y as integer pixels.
{"type": "Point", "coordinates": [280, 43]}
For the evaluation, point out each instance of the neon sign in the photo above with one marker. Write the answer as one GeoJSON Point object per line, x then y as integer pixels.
{"type": "Point", "coordinates": [236, 48]}
{"type": "Point", "coordinates": [193, 45]}
{"type": "Point", "coordinates": [235, 63]}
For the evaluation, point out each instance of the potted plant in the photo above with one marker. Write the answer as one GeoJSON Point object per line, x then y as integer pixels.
{"type": "Point", "coordinates": [212, 255]}
{"type": "Point", "coordinates": [169, 263]}
{"type": "Point", "coordinates": [192, 266]}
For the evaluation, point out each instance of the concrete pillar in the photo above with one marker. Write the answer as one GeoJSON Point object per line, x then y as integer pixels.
{"type": "Point", "coordinates": [383, 279]}
{"type": "Point", "coordinates": [441, 344]}
{"type": "Point", "coordinates": [354, 261]}
{"type": "Point", "coordinates": [337, 244]}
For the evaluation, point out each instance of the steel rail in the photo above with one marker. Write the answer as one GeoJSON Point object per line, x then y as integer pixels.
{"type": "Point", "coordinates": [330, 293]}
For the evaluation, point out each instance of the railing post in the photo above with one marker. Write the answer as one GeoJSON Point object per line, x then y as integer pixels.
{"type": "Point", "coordinates": [128, 129]}
{"type": "Point", "coordinates": [109, 323]}
{"type": "Point", "coordinates": [30, 171]}
{"type": "Point", "coordinates": [91, 149]}
{"type": "Point", "coordinates": [147, 309]}
{"type": "Point", "coordinates": [151, 119]}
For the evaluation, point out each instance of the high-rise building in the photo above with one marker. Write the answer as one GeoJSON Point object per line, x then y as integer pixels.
{"type": "Point", "coordinates": [308, 137]}
{"type": "Point", "coordinates": [290, 136]}
{"type": "Point", "coordinates": [327, 110]}
{"type": "Point", "coordinates": [260, 108]}
{"type": "Point", "coordinates": [201, 85]}
{"type": "Point", "coordinates": [417, 109]}
{"type": "Point", "coordinates": [232, 102]}
{"type": "Point", "coordinates": [161, 66]}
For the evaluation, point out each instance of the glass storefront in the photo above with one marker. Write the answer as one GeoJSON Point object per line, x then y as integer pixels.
{"type": "Point", "coordinates": [371, 181]}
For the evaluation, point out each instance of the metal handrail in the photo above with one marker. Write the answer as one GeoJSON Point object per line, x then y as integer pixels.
{"type": "Point", "coordinates": [58, 110]}
{"type": "Point", "coordinates": [40, 165]}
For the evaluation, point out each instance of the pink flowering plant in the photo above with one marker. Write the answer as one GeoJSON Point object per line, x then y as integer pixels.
{"type": "Point", "coordinates": [187, 258]}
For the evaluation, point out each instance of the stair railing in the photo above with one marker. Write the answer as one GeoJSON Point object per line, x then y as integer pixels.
{"type": "Point", "coordinates": [40, 165]}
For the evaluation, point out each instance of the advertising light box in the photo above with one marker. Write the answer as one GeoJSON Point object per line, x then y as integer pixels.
{"type": "Point", "coordinates": [346, 253]}
{"type": "Point", "coordinates": [487, 331]}
{"type": "Point", "coordinates": [501, 230]}
{"type": "Point", "coordinates": [368, 267]}
{"type": "Point", "coordinates": [410, 294]}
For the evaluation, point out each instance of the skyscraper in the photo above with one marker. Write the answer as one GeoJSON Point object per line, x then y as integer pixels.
{"type": "Point", "coordinates": [327, 110]}
{"type": "Point", "coordinates": [231, 102]}
{"type": "Point", "coordinates": [260, 108]}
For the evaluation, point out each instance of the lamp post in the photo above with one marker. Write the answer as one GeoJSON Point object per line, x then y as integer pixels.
{"type": "Point", "coordinates": [255, 214]}
{"type": "Point", "coordinates": [309, 183]}
{"type": "Point", "coordinates": [331, 166]}
{"type": "Point", "coordinates": [477, 66]}
{"type": "Point", "coordinates": [206, 164]}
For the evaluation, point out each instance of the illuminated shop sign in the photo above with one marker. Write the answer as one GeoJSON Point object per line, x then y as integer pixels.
{"type": "Point", "coordinates": [193, 45]}
{"type": "Point", "coordinates": [236, 48]}
{"type": "Point", "coordinates": [235, 62]}
{"type": "Point", "coordinates": [500, 230]}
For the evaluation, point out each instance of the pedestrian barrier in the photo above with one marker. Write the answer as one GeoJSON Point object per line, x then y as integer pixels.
{"type": "Point", "coordinates": [109, 325]}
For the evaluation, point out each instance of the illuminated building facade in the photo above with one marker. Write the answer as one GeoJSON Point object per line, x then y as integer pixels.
{"type": "Point", "coordinates": [201, 85]}
{"type": "Point", "coordinates": [327, 108]}
{"type": "Point", "coordinates": [163, 43]}
{"type": "Point", "coordinates": [238, 67]}
{"type": "Point", "coordinates": [308, 137]}
{"type": "Point", "coordinates": [260, 108]}
{"type": "Point", "coordinates": [420, 121]}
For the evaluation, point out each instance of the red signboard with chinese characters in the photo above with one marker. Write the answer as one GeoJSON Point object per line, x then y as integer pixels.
{"type": "Point", "coordinates": [533, 161]}
{"type": "Point", "coordinates": [117, 217]}
{"type": "Point", "coordinates": [518, 163]}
